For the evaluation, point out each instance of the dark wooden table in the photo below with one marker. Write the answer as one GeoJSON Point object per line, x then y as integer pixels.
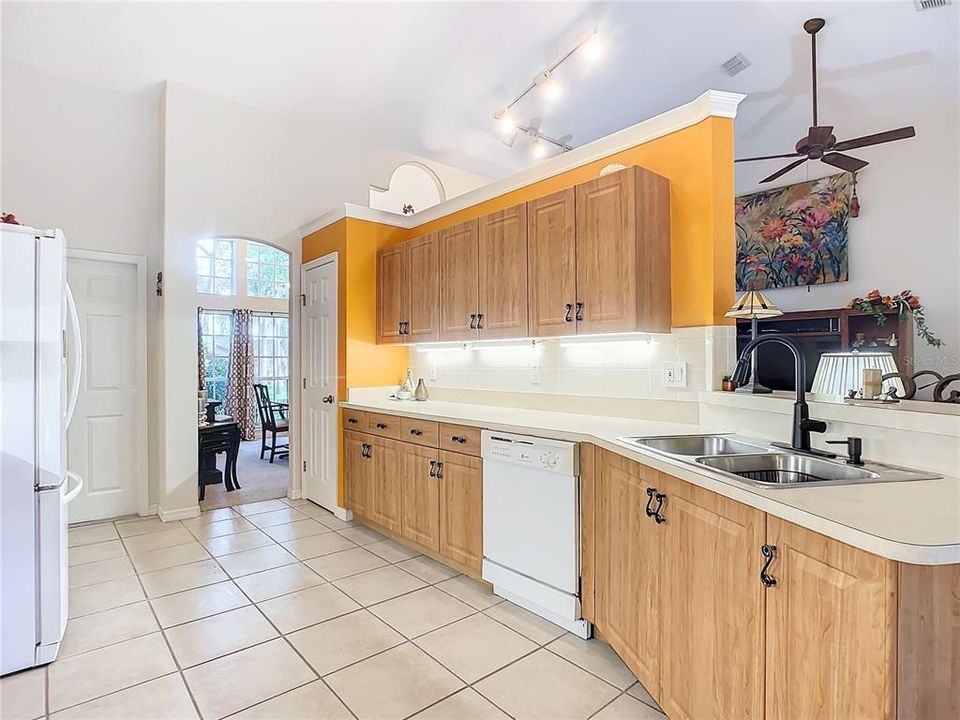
{"type": "Point", "coordinates": [221, 436]}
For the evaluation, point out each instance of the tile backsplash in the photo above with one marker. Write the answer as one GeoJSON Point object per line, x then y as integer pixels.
{"type": "Point", "coordinates": [600, 366]}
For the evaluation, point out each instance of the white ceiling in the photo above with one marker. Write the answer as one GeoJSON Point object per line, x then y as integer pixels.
{"type": "Point", "coordinates": [427, 77]}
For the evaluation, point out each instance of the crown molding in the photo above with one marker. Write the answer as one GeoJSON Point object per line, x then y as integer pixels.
{"type": "Point", "coordinates": [712, 103]}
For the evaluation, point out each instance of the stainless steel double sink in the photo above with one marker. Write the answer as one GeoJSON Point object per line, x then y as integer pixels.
{"type": "Point", "coordinates": [762, 465]}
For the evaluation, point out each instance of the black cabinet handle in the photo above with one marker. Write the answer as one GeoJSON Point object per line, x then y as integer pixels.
{"type": "Point", "coordinates": [327, 399]}
{"type": "Point", "coordinates": [650, 493]}
{"type": "Point", "coordinates": [579, 312]}
{"type": "Point", "coordinates": [365, 450]}
{"type": "Point", "coordinates": [382, 426]}
{"type": "Point", "coordinates": [656, 512]}
{"type": "Point", "coordinates": [569, 315]}
{"type": "Point", "coordinates": [433, 468]}
{"type": "Point", "coordinates": [459, 439]}
{"type": "Point", "coordinates": [406, 327]}
{"type": "Point", "coordinates": [416, 433]}
{"type": "Point", "coordinates": [439, 469]}
{"type": "Point", "coordinates": [479, 321]}
{"type": "Point", "coordinates": [400, 328]}
{"type": "Point", "coordinates": [473, 321]}
{"type": "Point", "coordinates": [352, 421]}
{"type": "Point", "coordinates": [769, 552]}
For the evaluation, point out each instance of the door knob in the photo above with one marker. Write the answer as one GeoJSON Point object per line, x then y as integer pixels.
{"type": "Point", "coordinates": [327, 399]}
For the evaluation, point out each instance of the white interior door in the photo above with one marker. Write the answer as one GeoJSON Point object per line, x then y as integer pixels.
{"type": "Point", "coordinates": [105, 439]}
{"type": "Point", "coordinates": [318, 361]}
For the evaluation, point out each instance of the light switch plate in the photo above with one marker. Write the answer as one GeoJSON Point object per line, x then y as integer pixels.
{"type": "Point", "coordinates": [432, 371]}
{"type": "Point", "coordinates": [535, 374]}
{"type": "Point", "coordinates": [675, 374]}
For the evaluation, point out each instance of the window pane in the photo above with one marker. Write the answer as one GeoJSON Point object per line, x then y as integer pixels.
{"type": "Point", "coordinates": [282, 326]}
{"type": "Point", "coordinates": [281, 366]}
{"type": "Point", "coordinates": [204, 284]}
{"type": "Point", "coordinates": [224, 249]}
{"type": "Point", "coordinates": [221, 323]}
{"type": "Point", "coordinates": [205, 247]}
{"type": "Point", "coordinates": [223, 286]}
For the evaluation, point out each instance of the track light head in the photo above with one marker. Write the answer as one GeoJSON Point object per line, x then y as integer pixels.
{"type": "Point", "coordinates": [539, 149]}
{"type": "Point", "coordinates": [506, 123]}
{"type": "Point", "coordinates": [551, 87]}
{"type": "Point", "coordinates": [592, 47]}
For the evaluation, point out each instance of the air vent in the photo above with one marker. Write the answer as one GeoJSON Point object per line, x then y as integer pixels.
{"type": "Point", "coordinates": [737, 64]}
{"type": "Point", "coordinates": [930, 4]}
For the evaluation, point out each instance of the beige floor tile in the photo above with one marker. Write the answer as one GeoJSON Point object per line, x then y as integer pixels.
{"type": "Point", "coordinates": [594, 656]}
{"type": "Point", "coordinates": [525, 622]}
{"type": "Point", "coordinates": [283, 516]}
{"type": "Point", "coordinates": [392, 551]}
{"type": "Point", "coordinates": [298, 529]}
{"type": "Point", "coordinates": [156, 540]}
{"type": "Point", "coordinates": [427, 569]}
{"type": "Point", "coordinates": [475, 647]}
{"type": "Point", "coordinates": [543, 685]}
{"type": "Point", "coordinates": [247, 562]}
{"type": "Point", "coordinates": [393, 684]}
{"type": "Point", "coordinates": [79, 678]}
{"type": "Point", "coordinates": [209, 516]}
{"type": "Point", "coordinates": [420, 612]}
{"type": "Point", "coordinates": [87, 534]}
{"type": "Point", "coordinates": [106, 628]}
{"type": "Point", "coordinates": [165, 698]}
{"type": "Point", "coordinates": [299, 502]}
{"type": "Point", "coordinates": [169, 557]}
{"type": "Point", "coordinates": [278, 581]}
{"type": "Point", "coordinates": [467, 704]}
{"type": "Point", "coordinates": [227, 544]}
{"type": "Point", "coordinates": [345, 563]}
{"type": "Point", "coordinates": [628, 708]}
{"type": "Point", "coordinates": [98, 572]}
{"type": "Point", "coordinates": [248, 509]}
{"type": "Point", "coordinates": [362, 535]}
{"type": "Point", "coordinates": [375, 586]}
{"type": "Point", "coordinates": [328, 519]}
{"type": "Point", "coordinates": [103, 596]}
{"type": "Point", "coordinates": [336, 643]}
{"type": "Point", "coordinates": [95, 552]}
{"type": "Point", "coordinates": [317, 545]}
{"type": "Point", "coordinates": [183, 577]}
{"type": "Point", "coordinates": [198, 603]}
{"type": "Point", "coordinates": [314, 701]}
{"type": "Point", "coordinates": [470, 591]}
{"type": "Point", "coordinates": [130, 528]}
{"type": "Point", "coordinates": [23, 695]}
{"type": "Point", "coordinates": [306, 607]}
{"type": "Point", "coordinates": [244, 678]}
{"type": "Point", "coordinates": [218, 528]}
{"type": "Point", "coordinates": [641, 694]}
{"type": "Point", "coordinates": [202, 640]}
{"type": "Point", "coordinates": [320, 514]}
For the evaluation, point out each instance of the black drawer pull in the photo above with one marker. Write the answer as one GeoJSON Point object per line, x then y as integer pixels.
{"type": "Point", "coordinates": [352, 421]}
{"type": "Point", "coordinates": [416, 433]}
{"type": "Point", "coordinates": [768, 551]}
{"type": "Point", "coordinates": [382, 426]}
{"type": "Point", "coordinates": [459, 439]}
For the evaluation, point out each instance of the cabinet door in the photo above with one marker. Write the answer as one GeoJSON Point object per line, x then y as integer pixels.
{"type": "Point", "coordinates": [357, 473]}
{"type": "Point", "coordinates": [423, 263]}
{"type": "Point", "coordinates": [393, 293]}
{"type": "Point", "coordinates": [420, 489]}
{"type": "Point", "coordinates": [503, 273]}
{"type": "Point", "coordinates": [385, 505]}
{"type": "Point", "coordinates": [831, 623]}
{"type": "Point", "coordinates": [627, 560]}
{"type": "Point", "coordinates": [461, 508]}
{"type": "Point", "coordinates": [712, 606]}
{"type": "Point", "coordinates": [459, 282]}
{"type": "Point", "coordinates": [607, 253]}
{"type": "Point", "coordinates": [551, 262]}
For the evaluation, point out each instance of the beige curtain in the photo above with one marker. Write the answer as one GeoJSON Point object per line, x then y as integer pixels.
{"type": "Point", "coordinates": [239, 401]}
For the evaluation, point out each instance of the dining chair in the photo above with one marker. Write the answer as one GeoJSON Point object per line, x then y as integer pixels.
{"type": "Point", "coordinates": [273, 420]}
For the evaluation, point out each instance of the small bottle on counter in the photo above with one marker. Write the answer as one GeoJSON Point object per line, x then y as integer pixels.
{"type": "Point", "coordinates": [421, 393]}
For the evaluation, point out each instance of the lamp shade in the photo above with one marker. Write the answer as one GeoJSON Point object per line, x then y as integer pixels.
{"type": "Point", "coordinates": [839, 372]}
{"type": "Point", "coordinates": [753, 304]}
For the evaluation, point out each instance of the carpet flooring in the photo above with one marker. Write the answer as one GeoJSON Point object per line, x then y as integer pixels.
{"type": "Point", "coordinates": [259, 480]}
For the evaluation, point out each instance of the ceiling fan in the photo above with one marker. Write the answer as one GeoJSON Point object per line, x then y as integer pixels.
{"type": "Point", "coordinates": [820, 142]}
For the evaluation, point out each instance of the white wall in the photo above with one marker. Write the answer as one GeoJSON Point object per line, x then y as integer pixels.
{"type": "Point", "coordinates": [908, 234]}
{"type": "Point", "coordinates": [87, 160]}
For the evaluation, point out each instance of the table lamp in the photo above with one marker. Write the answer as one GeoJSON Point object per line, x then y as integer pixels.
{"type": "Point", "coordinates": [753, 304]}
{"type": "Point", "coordinates": [840, 372]}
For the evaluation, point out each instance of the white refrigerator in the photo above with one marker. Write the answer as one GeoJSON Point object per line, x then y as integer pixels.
{"type": "Point", "coordinates": [40, 366]}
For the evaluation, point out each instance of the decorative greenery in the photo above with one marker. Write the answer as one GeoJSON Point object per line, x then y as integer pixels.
{"type": "Point", "coordinates": [905, 302]}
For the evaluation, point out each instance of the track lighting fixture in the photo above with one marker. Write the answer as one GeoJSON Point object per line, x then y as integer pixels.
{"type": "Point", "coordinates": [551, 87]}
{"type": "Point", "coordinates": [506, 122]}
{"type": "Point", "coordinates": [539, 149]}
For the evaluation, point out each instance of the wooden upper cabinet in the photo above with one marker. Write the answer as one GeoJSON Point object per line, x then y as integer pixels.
{"type": "Point", "coordinates": [393, 293]}
{"type": "Point", "coordinates": [423, 264]}
{"type": "Point", "coordinates": [623, 253]}
{"type": "Point", "coordinates": [551, 263]}
{"type": "Point", "coordinates": [461, 509]}
{"type": "Point", "coordinates": [712, 608]}
{"type": "Point", "coordinates": [502, 252]}
{"type": "Point", "coordinates": [459, 282]}
{"type": "Point", "coordinates": [831, 629]}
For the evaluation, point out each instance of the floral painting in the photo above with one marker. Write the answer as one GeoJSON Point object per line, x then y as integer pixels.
{"type": "Point", "coordinates": [793, 236]}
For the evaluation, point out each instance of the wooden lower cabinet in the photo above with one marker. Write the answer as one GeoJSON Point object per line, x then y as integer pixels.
{"type": "Point", "coordinates": [357, 473]}
{"type": "Point", "coordinates": [420, 490]}
{"type": "Point", "coordinates": [461, 508]}
{"type": "Point", "coordinates": [384, 508]}
{"type": "Point", "coordinates": [831, 628]}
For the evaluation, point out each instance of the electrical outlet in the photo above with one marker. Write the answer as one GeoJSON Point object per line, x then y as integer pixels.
{"type": "Point", "coordinates": [535, 374]}
{"type": "Point", "coordinates": [675, 374]}
{"type": "Point", "coordinates": [432, 371]}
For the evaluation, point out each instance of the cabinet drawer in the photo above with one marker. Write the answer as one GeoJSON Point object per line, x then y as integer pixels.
{"type": "Point", "coordinates": [421, 432]}
{"type": "Point", "coordinates": [460, 438]}
{"type": "Point", "coordinates": [383, 425]}
{"type": "Point", "coordinates": [354, 420]}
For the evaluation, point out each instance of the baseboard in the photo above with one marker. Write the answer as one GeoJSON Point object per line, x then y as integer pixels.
{"type": "Point", "coordinates": [179, 513]}
{"type": "Point", "coordinates": [295, 494]}
{"type": "Point", "coordinates": [343, 513]}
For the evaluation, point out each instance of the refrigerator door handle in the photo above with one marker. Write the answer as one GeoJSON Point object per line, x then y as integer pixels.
{"type": "Point", "coordinates": [77, 357]}
{"type": "Point", "coordinates": [75, 490]}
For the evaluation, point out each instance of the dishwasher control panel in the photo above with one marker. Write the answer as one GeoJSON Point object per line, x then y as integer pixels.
{"type": "Point", "coordinates": [557, 456]}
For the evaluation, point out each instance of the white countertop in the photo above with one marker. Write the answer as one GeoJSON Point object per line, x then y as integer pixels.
{"type": "Point", "coordinates": [914, 522]}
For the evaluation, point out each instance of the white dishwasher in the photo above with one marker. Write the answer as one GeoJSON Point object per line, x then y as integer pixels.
{"type": "Point", "coordinates": [531, 525]}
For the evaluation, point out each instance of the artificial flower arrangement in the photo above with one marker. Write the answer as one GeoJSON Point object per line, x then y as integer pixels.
{"type": "Point", "coordinates": [904, 302]}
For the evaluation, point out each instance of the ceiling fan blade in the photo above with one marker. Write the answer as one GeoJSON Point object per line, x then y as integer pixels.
{"type": "Point", "coordinates": [877, 138]}
{"type": "Point", "coordinates": [768, 157]}
{"type": "Point", "coordinates": [784, 170]}
{"type": "Point", "coordinates": [844, 162]}
{"type": "Point", "coordinates": [819, 134]}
